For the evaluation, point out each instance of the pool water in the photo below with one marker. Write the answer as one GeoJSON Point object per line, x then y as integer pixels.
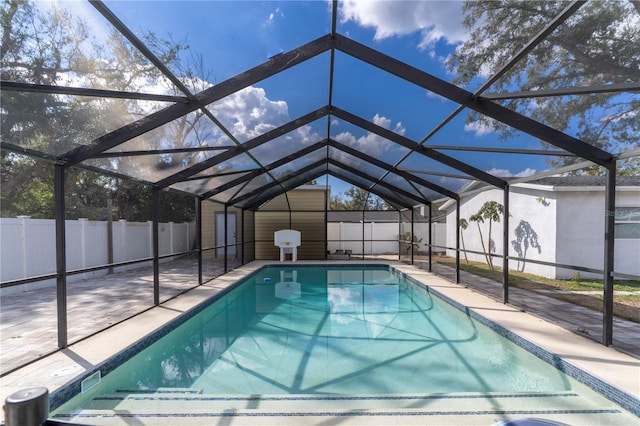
{"type": "Point", "coordinates": [340, 331]}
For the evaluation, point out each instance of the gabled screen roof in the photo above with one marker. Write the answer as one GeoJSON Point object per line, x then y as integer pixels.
{"type": "Point", "coordinates": [240, 101]}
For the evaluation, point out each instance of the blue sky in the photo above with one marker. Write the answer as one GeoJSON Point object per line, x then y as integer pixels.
{"type": "Point", "coordinates": [234, 36]}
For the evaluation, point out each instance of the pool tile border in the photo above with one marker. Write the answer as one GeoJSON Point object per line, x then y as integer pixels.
{"type": "Point", "coordinates": [363, 413]}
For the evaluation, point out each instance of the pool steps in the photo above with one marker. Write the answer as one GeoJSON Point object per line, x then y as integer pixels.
{"type": "Point", "coordinates": [180, 404]}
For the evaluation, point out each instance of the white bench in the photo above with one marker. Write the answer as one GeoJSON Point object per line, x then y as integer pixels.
{"type": "Point", "coordinates": [288, 240]}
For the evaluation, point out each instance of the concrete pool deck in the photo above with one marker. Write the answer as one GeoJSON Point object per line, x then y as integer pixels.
{"type": "Point", "coordinates": [608, 364]}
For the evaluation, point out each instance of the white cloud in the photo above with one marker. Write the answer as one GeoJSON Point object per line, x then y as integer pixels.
{"type": "Point", "coordinates": [249, 112]}
{"type": "Point", "coordinates": [508, 173]}
{"type": "Point", "coordinates": [434, 20]}
{"type": "Point", "coordinates": [273, 16]}
{"type": "Point", "coordinates": [371, 143]}
{"type": "Point", "coordinates": [479, 128]}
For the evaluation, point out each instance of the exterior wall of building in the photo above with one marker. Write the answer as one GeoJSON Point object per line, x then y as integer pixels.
{"type": "Point", "coordinates": [627, 251]}
{"type": "Point", "coordinates": [581, 223]}
{"type": "Point", "coordinates": [471, 236]}
{"type": "Point", "coordinates": [532, 214]}
{"type": "Point", "coordinates": [568, 225]}
{"type": "Point", "coordinates": [533, 219]}
{"type": "Point", "coordinates": [307, 216]}
{"type": "Point", "coordinates": [209, 211]}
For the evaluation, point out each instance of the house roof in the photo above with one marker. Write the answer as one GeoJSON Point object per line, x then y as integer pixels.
{"type": "Point", "coordinates": [580, 181]}
{"type": "Point", "coordinates": [247, 171]}
{"type": "Point", "coordinates": [568, 183]}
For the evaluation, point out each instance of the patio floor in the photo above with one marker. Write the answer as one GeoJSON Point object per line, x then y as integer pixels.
{"type": "Point", "coordinates": [28, 320]}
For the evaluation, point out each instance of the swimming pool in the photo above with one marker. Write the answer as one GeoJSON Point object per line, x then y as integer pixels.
{"type": "Point", "coordinates": [332, 335]}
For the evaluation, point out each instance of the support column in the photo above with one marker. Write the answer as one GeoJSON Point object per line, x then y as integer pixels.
{"type": "Point", "coordinates": [505, 243]}
{"type": "Point", "coordinates": [198, 242]}
{"type": "Point", "coordinates": [399, 236]}
{"type": "Point", "coordinates": [61, 255]}
{"type": "Point", "coordinates": [430, 238]}
{"type": "Point", "coordinates": [326, 215]}
{"type": "Point", "coordinates": [226, 240]}
{"type": "Point", "coordinates": [110, 235]}
{"type": "Point", "coordinates": [457, 240]}
{"type": "Point", "coordinates": [609, 235]}
{"type": "Point", "coordinates": [363, 234]}
{"type": "Point", "coordinates": [155, 243]}
{"type": "Point", "coordinates": [412, 235]}
{"type": "Point", "coordinates": [242, 236]}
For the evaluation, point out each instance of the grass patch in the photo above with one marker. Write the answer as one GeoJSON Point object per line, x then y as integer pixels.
{"type": "Point", "coordinates": [625, 306]}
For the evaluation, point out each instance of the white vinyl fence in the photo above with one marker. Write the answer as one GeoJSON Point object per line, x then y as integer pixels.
{"type": "Point", "coordinates": [379, 238]}
{"type": "Point", "coordinates": [28, 246]}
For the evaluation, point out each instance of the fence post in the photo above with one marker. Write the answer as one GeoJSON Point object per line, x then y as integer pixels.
{"type": "Point", "coordinates": [187, 236]}
{"type": "Point", "coordinates": [171, 249]}
{"type": "Point", "coordinates": [123, 240]}
{"type": "Point", "coordinates": [150, 231]}
{"type": "Point", "coordinates": [84, 221]}
{"type": "Point", "coordinates": [24, 224]}
{"type": "Point", "coordinates": [110, 235]}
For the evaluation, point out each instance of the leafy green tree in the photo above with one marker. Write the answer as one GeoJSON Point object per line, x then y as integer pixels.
{"type": "Point", "coordinates": [599, 44]}
{"type": "Point", "coordinates": [359, 199]}
{"type": "Point", "coordinates": [478, 219]}
{"type": "Point", "coordinates": [50, 46]}
{"type": "Point", "coordinates": [490, 211]}
{"type": "Point", "coordinates": [337, 203]}
{"type": "Point", "coordinates": [27, 186]}
{"type": "Point", "coordinates": [356, 198]}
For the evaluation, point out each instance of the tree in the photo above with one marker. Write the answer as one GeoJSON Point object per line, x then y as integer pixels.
{"type": "Point", "coordinates": [599, 44]}
{"type": "Point", "coordinates": [359, 199]}
{"type": "Point", "coordinates": [491, 211]}
{"type": "Point", "coordinates": [50, 46]}
{"type": "Point", "coordinates": [408, 240]}
{"type": "Point", "coordinates": [478, 219]}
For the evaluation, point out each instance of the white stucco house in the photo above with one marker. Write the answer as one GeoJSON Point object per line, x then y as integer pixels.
{"type": "Point", "coordinates": [559, 220]}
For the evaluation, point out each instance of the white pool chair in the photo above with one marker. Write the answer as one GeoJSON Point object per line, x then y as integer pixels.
{"type": "Point", "coordinates": [288, 240]}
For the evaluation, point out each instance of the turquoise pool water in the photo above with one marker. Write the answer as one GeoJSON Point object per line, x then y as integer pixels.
{"type": "Point", "coordinates": [317, 330]}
